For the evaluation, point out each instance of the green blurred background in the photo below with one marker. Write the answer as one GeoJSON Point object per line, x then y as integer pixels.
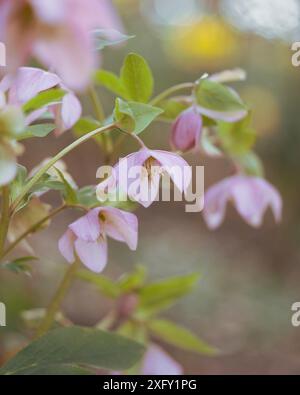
{"type": "Point", "coordinates": [250, 278]}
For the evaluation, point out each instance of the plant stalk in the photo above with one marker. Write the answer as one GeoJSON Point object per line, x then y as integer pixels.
{"type": "Point", "coordinates": [57, 299]}
{"type": "Point", "coordinates": [56, 158]}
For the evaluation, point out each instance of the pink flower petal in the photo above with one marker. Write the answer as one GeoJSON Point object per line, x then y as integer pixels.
{"type": "Point", "coordinates": [158, 362]}
{"type": "Point", "coordinates": [69, 51]}
{"type": "Point", "coordinates": [87, 227]}
{"type": "Point", "coordinates": [29, 82]}
{"type": "Point", "coordinates": [66, 246]}
{"type": "Point", "coordinates": [92, 254]}
{"type": "Point", "coordinates": [71, 110]}
{"type": "Point", "coordinates": [50, 12]}
{"type": "Point", "coordinates": [178, 169]}
{"type": "Point", "coordinates": [121, 225]}
{"type": "Point", "coordinates": [215, 202]}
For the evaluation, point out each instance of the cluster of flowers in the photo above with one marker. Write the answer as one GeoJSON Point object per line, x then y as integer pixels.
{"type": "Point", "coordinates": [58, 34]}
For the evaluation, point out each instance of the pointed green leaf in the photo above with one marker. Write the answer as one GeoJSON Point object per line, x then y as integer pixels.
{"type": "Point", "coordinates": [111, 82]}
{"type": "Point", "coordinates": [107, 37]}
{"type": "Point", "coordinates": [133, 281]}
{"type": "Point", "coordinates": [41, 130]}
{"type": "Point", "coordinates": [74, 346]}
{"type": "Point", "coordinates": [180, 337]}
{"type": "Point", "coordinates": [237, 138]}
{"type": "Point", "coordinates": [161, 295]}
{"type": "Point", "coordinates": [135, 117]}
{"type": "Point", "coordinates": [137, 78]}
{"type": "Point", "coordinates": [217, 101]}
{"type": "Point", "coordinates": [104, 284]}
{"type": "Point", "coordinates": [44, 98]}
{"type": "Point", "coordinates": [20, 265]}
{"type": "Point", "coordinates": [69, 193]}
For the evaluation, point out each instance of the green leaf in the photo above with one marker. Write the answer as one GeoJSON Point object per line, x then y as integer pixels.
{"type": "Point", "coordinates": [180, 337]}
{"type": "Point", "coordinates": [251, 164]}
{"type": "Point", "coordinates": [41, 130]}
{"type": "Point", "coordinates": [44, 98]}
{"type": "Point", "coordinates": [74, 346]}
{"type": "Point", "coordinates": [137, 78]}
{"type": "Point", "coordinates": [57, 370]}
{"type": "Point", "coordinates": [209, 145]}
{"type": "Point", "coordinates": [219, 101]}
{"type": "Point", "coordinates": [69, 193]}
{"type": "Point", "coordinates": [103, 38]}
{"type": "Point", "coordinates": [20, 265]}
{"type": "Point", "coordinates": [111, 82]}
{"type": "Point", "coordinates": [237, 138]}
{"type": "Point", "coordinates": [86, 125]}
{"type": "Point", "coordinates": [135, 117]}
{"type": "Point", "coordinates": [104, 284]}
{"type": "Point", "coordinates": [133, 281]}
{"type": "Point", "coordinates": [161, 295]}
{"type": "Point", "coordinates": [86, 196]}
{"type": "Point", "coordinates": [172, 108]}
{"type": "Point", "coordinates": [18, 183]}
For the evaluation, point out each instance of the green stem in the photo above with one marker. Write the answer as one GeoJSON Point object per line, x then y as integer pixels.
{"type": "Point", "coordinates": [170, 91]}
{"type": "Point", "coordinates": [100, 115]}
{"type": "Point", "coordinates": [5, 214]}
{"type": "Point", "coordinates": [96, 104]}
{"type": "Point", "coordinates": [57, 299]}
{"type": "Point", "coordinates": [57, 157]}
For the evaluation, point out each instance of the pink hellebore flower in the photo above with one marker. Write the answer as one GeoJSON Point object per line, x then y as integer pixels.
{"type": "Point", "coordinates": [87, 237]}
{"type": "Point", "coordinates": [186, 130]}
{"type": "Point", "coordinates": [57, 33]}
{"type": "Point", "coordinates": [157, 362]}
{"type": "Point", "coordinates": [138, 175]}
{"type": "Point", "coordinates": [30, 81]}
{"type": "Point", "coordinates": [251, 197]}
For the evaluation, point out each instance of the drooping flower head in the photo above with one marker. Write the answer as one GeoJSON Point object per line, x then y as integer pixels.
{"type": "Point", "coordinates": [138, 175]}
{"type": "Point", "coordinates": [87, 237]}
{"type": "Point", "coordinates": [30, 81]}
{"type": "Point", "coordinates": [57, 33]}
{"type": "Point", "coordinates": [251, 197]}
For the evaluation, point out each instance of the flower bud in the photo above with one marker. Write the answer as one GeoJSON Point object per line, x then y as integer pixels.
{"type": "Point", "coordinates": [186, 130]}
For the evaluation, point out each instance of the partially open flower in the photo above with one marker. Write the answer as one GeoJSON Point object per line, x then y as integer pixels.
{"type": "Point", "coordinates": [87, 237]}
{"type": "Point", "coordinates": [251, 197]}
{"type": "Point", "coordinates": [138, 175]}
{"type": "Point", "coordinates": [186, 130]}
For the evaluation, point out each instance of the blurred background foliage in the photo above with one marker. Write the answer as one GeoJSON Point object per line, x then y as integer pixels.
{"type": "Point", "coordinates": [249, 278]}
